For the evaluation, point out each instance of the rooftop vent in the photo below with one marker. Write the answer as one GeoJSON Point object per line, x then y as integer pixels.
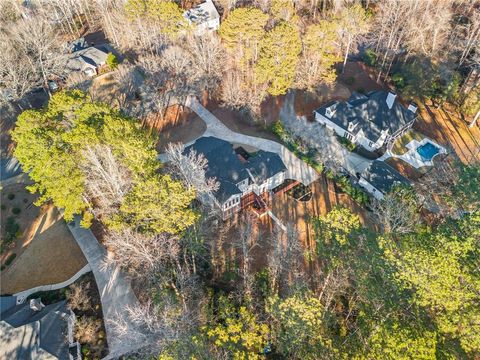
{"type": "Point", "coordinates": [413, 108]}
{"type": "Point", "coordinates": [391, 99]}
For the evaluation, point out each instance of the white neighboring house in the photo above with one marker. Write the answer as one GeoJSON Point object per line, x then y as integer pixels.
{"type": "Point", "coordinates": [242, 181]}
{"type": "Point", "coordinates": [88, 61]}
{"type": "Point", "coordinates": [379, 179]}
{"type": "Point", "coordinates": [204, 17]}
{"type": "Point", "coordinates": [371, 121]}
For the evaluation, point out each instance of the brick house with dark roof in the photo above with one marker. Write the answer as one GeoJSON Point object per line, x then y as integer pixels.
{"type": "Point", "coordinates": [244, 180]}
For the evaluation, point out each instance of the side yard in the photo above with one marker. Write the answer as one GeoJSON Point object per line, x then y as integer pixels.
{"type": "Point", "coordinates": [37, 248]}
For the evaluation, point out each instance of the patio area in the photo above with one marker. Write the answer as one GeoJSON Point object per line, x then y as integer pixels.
{"type": "Point", "coordinates": [415, 149]}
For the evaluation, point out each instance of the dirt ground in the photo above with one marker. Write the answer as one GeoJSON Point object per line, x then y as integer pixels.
{"type": "Point", "coordinates": [240, 123]}
{"type": "Point", "coordinates": [447, 128]}
{"type": "Point", "coordinates": [227, 258]}
{"type": "Point", "coordinates": [46, 251]}
{"type": "Point", "coordinates": [185, 128]}
{"type": "Point", "coordinates": [325, 197]}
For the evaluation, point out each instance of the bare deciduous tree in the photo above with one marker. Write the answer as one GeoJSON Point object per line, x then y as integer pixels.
{"type": "Point", "coordinates": [191, 169]}
{"type": "Point", "coordinates": [86, 329]}
{"type": "Point", "coordinates": [285, 260]}
{"type": "Point", "coordinates": [246, 242]}
{"type": "Point", "coordinates": [77, 296]}
{"type": "Point", "coordinates": [396, 213]}
{"type": "Point", "coordinates": [140, 254]}
{"type": "Point", "coordinates": [38, 43]}
{"type": "Point", "coordinates": [106, 180]}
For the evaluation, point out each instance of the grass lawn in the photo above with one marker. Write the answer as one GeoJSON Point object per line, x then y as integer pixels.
{"type": "Point", "coordinates": [400, 145]}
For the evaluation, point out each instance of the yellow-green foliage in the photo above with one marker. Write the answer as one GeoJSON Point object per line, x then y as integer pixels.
{"type": "Point", "coordinates": [157, 204]}
{"type": "Point", "coordinates": [391, 340]}
{"type": "Point", "coordinates": [321, 46]}
{"type": "Point", "coordinates": [280, 49]}
{"type": "Point", "coordinates": [166, 15]}
{"type": "Point", "coordinates": [50, 144]}
{"type": "Point", "coordinates": [238, 331]}
{"type": "Point", "coordinates": [283, 10]}
{"type": "Point", "coordinates": [439, 267]}
{"type": "Point", "coordinates": [298, 324]}
{"type": "Point", "coordinates": [242, 31]}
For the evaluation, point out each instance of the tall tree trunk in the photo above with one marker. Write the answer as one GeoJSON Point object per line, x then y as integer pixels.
{"type": "Point", "coordinates": [346, 52]}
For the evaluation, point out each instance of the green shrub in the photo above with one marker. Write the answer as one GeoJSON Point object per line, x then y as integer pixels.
{"type": "Point", "coordinates": [11, 229]}
{"type": "Point", "coordinates": [16, 210]}
{"type": "Point", "coordinates": [3, 268]}
{"type": "Point", "coordinates": [361, 90]}
{"type": "Point", "coordinates": [3, 207]}
{"type": "Point", "coordinates": [10, 259]}
{"type": "Point", "coordinates": [350, 80]}
{"type": "Point", "coordinates": [11, 196]}
{"type": "Point", "coordinates": [369, 57]}
{"type": "Point", "coordinates": [346, 143]}
{"type": "Point", "coordinates": [112, 61]}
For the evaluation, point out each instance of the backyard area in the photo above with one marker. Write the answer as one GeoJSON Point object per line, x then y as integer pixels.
{"type": "Point", "coordinates": [399, 147]}
{"type": "Point", "coordinates": [324, 196]}
{"type": "Point", "coordinates": [446, 126]}
{"type": "Point", "coordinates": [37, 247]}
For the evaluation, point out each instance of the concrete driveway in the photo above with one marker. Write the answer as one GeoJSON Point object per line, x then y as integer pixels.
{"type": "Point", "coordinates": [296, 168]}
{"type": "Point", "coordinates": [115, 291]}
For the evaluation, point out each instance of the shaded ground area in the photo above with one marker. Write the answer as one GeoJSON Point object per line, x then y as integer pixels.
{"type": "Point", "coordinates": [242, 123]}
{"type": "Point", "coordinates": [50, 256]}
{"type": "Point", "coordinates": [19, 219]}
{"type": "Point", "coordinates": [408, 170]}
{"type": "Point", "coordinates": [325, 196]}
{"type": "Point", "coordinates": [448, 129]}
{"type": "Point", "coordinates": [306, 102]}
{"type": "Point", "coordinates": [185, 127]}
{"type": "Point", "coordinates": [359, 77]}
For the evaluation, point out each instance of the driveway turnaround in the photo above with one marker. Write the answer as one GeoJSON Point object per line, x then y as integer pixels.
{"type": "Point", "coordinates": [296, 168]}
{"type": "Point", "coordinates": [115, 291]}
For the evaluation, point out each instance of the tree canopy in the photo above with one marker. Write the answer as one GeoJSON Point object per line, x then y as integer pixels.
{"type": "Point", "coordinates": [280, 49]}
{"type": "Point", "coordinates": [51, 145]}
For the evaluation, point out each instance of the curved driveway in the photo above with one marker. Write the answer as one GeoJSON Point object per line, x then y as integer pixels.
{"type": "Point", "coordinates": [115, 291]}
{"type": "Point", "coordinates": [296, 168]}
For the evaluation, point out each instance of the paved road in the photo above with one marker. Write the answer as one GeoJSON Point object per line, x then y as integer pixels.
{"type": "Point", "coordinates": [115, 291]}
{"type": "Point", "coordinates": [296, 168]}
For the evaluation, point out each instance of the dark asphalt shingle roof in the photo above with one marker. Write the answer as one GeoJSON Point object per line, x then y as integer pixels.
{"type": "Point", "coordinates": [225, 165]}
{"type": "Point", "coordinates": [53, 325]}
{"type": "Point", "coordinates": [265, 165]}
{"type": "Point", "coordinates": [371, 112]}
{"type": "Point", "coordinates": [383, 177]}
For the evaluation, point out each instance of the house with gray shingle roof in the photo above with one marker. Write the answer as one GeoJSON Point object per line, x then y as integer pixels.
{"type": "Point", "coordinates": [370, 120]}
{"type": "Point", "coordinates": [33, 331]}
{"type": "Point", "coordinates": [379, 179]}
{"type": "Point", "coordinates": [242, 180]}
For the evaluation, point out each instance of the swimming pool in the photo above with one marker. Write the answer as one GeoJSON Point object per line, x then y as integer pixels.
{"type": "Point", "coordinates": [427, 151]}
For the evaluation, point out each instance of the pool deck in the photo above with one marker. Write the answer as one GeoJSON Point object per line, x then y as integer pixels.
{"type": "Point", "coordinates": [412, 157]}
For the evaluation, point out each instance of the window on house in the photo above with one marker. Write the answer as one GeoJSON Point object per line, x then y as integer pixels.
{"type": "Point", "coordinates": [370, 144]}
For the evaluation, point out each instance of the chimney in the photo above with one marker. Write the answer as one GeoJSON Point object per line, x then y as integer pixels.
{"type": "Point", "coordinates": [36, 305]}
{"type": "Point", "coordinates": [391, 99]}
{"type": "Point", "coordinates": [413, 108]}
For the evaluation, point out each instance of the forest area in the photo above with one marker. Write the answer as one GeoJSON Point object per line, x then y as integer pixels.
{"type": "Point", "coordinates": [403, 288]}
